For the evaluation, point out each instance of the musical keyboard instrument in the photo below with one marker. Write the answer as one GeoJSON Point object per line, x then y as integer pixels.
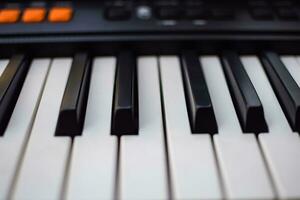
{"type": "Point", "coordinates": [141, 99]}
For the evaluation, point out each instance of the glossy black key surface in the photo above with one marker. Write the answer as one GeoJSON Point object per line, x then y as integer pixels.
{"type": "Point", "coordinates": [285, 87]}
{"type": "Point", "coordinates": [73, 106]}
{"type": "Point", "coordinates": [11, 82]}
{"type": "Point", "coordinates": [201, 113]}
{"type": "Point", "coordinates": [246, 101]}
{"type": "Point", "coordinates": [125, 108]}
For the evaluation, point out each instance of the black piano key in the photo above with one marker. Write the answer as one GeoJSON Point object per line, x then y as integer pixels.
{"type": "Point", "coordinates": [200, 108]}
{"type": "Point", "coordinates": [247, 103]}
{"type": "Point", "coordinates": [72, 110]}
{"type": "Point", "coordinates": [125, 108]}
{"type": "Point", "coordinates": [285, 87]}
{"type": "Point", "coordinates": [11, 82]}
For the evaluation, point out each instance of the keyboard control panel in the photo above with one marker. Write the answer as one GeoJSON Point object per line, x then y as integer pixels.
{"type": "Point", "coordinates": [142, 16]}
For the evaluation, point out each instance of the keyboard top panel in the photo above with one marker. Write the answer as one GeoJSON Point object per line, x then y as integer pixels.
{"type": "Point", "coordinates": [147, 17]}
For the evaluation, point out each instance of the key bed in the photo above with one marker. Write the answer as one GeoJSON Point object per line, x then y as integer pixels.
{"type": "Point", "coordinates": [167, 157]}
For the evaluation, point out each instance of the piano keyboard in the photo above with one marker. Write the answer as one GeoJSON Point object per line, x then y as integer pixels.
{"type": "Point", "coordinates": [183, 126]}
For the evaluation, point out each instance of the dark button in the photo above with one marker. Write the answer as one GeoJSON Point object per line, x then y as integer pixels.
{"type": "Point", "coordinates": [262, 14]}
{"type": "Point", "coordinates": [167, 3]}
{"type": "Point", "coordinates": [283, 3]}
{"type": "Point", "coordinates": [125, 106]}
{"type": "Point", "coordinates": [117, 13]}
{"type": "Point", "coordinates": [285, 87]}
{"type": "Point", "coordinates": [200, 108]}
{"type": "Point", "coordinates": [117, 3]}
{"type": "Point", "coordinates": [193, 2]}
{"type": "Point", "coordinates": [257, 3]}
{"type": "Point", "coordinates": [169, 12]}
{"type": "Point", "coordinates": [287, 14]}
{"type": "Point", "coordinates": [73, 106]}
{"type": "Point", "coordinates": [197, 13]}
{"type": "Point", "coordinates": [222, 14]}
{"type": "Point", "coordinates": [246, 101]}
{"type": "Point", "coordinates": [11, 82]}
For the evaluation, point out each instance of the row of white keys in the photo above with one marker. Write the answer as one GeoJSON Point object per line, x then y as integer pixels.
{"type": "Point", "coordinates": [13, 143]}
{"type": "Point", "coordinates": [143, 171]}
{"type": "Point", "coordinates": [241, 163]}
{"type": "Point", "coordinates": [43, 168]}
{"type": "Point", "coordinates": [94, 155]}
{"type": "Point", "coordinates": [193, 168]}
{"type": "Point", "coordinates": [280, 146]}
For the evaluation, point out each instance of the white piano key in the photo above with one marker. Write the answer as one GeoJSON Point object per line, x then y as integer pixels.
{"type": "Point", "coordinates": [43, 168]}
{"type": "Point", "coordinates": [274, 116]}
{"type": "Point", "coordinates": [280, 146]}
{"type": "Point", "coordinates": [3, 64]}
{"type": "Point", "coordinates": [193, 169]}
{"type": "Point", "coordinates": [241, 163]}
{"type": "Point", "coordinates": [223, 106]}
{"type": "Point", "coordinates": [94, 157]}
{"type": "Point", "coordinates": [282, 153]}
{"type": "Point", "coordinates": [14, 141]}
{"type": "Point", "coordinates": [292, 66]}
{"type": "Point", "coordinates": [277, 123]}
{"type": "Point", "coordinates": [143, 157]}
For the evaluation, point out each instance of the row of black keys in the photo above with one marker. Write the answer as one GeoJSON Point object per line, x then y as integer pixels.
{"type": "Point", "coordinates": [73, 105]}
{"type": "Point", "coordinates": [125, 106]}
{"type": "Point", "coordinates": [246, 101]}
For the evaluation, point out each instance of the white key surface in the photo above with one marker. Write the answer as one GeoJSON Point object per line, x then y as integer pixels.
{"type": "Point", "coordinates": [225, 114]}
{"type": "Point", "coordinates": [94, 156]}
{"type": "Point", "coordinates": [292, 66]}
{"type": "Point", "coordinates": [193, 168]}
{"type": "Point", "coordinates": [42, 171]}
{"type": "Point", "coordinates": [3, 64]}
{"type": "Point", "coordinates": [143, 171]}
{"type": "Point", "coordinates": [296, 78]}
{"type": "Point", "coordinates": [13, 143]}
{"type": "Point", "coordinates": [275, 118]}
{"type": "Point", "coordinates": [242, 167]}
{"type": "Point", "coordinates": [281, 146]}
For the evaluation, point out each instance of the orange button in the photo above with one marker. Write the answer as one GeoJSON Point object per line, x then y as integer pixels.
{"type": "Point", "coordinates": [34, 15]}
{"type": "Point", "coordinates": [60, 14]}
{"type": "Point", "coordinates": [9, 15]}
